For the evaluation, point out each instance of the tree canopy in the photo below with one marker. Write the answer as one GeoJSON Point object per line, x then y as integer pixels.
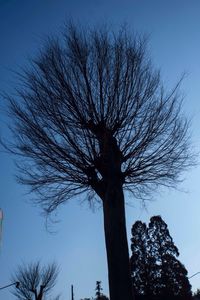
{"type": "Point", "coordinates": [35, 281]}
{"type": "Point", "coordinates": [88, 93]}
{"type": "Point", "coordinates": [155, 269]}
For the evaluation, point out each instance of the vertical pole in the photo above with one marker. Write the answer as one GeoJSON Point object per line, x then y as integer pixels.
{"type": "Point", "coordinates": [72, 292]}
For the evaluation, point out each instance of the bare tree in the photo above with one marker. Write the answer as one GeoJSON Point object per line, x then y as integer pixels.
{"type": "Point", "coordinates": [35, 281]}
{"type": "Point", "coordinates": [92, 116]}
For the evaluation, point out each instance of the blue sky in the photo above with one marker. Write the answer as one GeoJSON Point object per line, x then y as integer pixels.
{"type": "Point", "coordinates": [77, 245]}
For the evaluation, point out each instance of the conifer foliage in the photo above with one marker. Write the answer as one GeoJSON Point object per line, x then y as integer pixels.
{"type": "Point", "coordinates": [139, 257]}
{"type": "Point", "coordinates": [156, 271]}
{"type": "Point", "coordinates": [99, 294]}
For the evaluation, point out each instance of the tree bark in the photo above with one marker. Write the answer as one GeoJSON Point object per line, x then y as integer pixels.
{"type": "Point", "coordinates": [116, 244]}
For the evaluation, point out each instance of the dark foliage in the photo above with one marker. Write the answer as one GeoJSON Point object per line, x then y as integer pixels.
{"type": "Point", "coordinates": [92, 115]}
{"type": "Point", "coordinates": [103, 297]}
{"type": "Point", "coordinates": [143, 265]}
{"type": "Point", "coordinates": [35, 281]}
{"type": "Point", "coordinates": [98, 289]}
{"type": "Point", "coordinates": [156, 271]}
{"type": "Point", "coordinates": [99, 294]}
{"type": "Point", "coordinates": [140, 259]}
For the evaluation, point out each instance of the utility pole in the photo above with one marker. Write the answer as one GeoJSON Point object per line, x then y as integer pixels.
{"type": "Point", "coordinates": [72, 292]}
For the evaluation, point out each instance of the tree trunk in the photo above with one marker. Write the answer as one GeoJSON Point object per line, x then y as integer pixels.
{"type": "Point", "coordinates": [116, 244]}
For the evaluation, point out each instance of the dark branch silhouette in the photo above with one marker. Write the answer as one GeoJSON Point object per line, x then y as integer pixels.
{"type": "Point", "coordinates": [92, 116]}
{"type": "Point", "coordinates": [35, 281]}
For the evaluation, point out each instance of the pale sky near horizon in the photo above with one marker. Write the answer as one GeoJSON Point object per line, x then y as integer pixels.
{"type": "Point", "coordinates": [77, 243]}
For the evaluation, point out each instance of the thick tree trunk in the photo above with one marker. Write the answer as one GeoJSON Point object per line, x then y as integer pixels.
{"type": "Point", "coordinates": [116, 244]}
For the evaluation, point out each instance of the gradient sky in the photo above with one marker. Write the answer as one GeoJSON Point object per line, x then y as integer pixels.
{"type": "Point", "coordinates": [77, 243]}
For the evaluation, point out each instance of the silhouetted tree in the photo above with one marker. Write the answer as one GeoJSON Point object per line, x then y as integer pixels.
{"type": "Point", "coordinates": [140, 259]}
{"type": "Point", "coordinates": [143, 264]}
{"type": "Point", "coordinates": [161, 244]}
{"type": "Point", "coordinates": [98, 289]}
{"type": "Point", "coordinates": [92, 116]}
{"type": "Point", "coordinates": [156, 271]}
{"type": "Point", "coordinates": [35, 281]}
{"type": "Point", "coordinates": [99, 294]}
{"type": "Point", "coordinates": [171, 275]}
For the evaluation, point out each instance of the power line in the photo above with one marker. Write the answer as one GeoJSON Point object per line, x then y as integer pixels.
{"type": "Point", "coordinates": [14, 283]}
{"type": "Point", "coordinates": [194, 275]}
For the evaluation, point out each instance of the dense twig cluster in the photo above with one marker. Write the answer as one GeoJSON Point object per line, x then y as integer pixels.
{"type": "Point", "coordinates": [35, 281]}
{"type": "Point", "coordinates": [90, 108]}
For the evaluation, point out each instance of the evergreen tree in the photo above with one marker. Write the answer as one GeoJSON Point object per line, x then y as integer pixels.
{"type": "Point", "coordinates": [98, 293]}
{"type": "Point", "coordinates": [161, 247]}
{"type": "Point", "coordinates": [98, 289]}
{"type": "Point", "coordinates": [139, 258]}
{"type": "Point", "coordinates": [156, 271]}
{"type": "Point", "coordinates": [170, 276]}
